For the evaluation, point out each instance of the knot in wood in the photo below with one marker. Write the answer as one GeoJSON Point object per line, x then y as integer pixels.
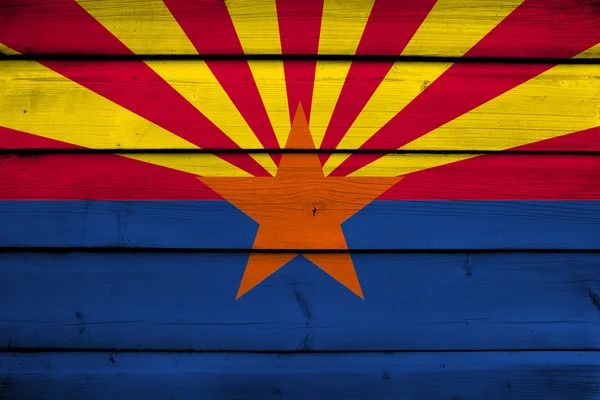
{"type": "Point", "coordinates": [313, 208]}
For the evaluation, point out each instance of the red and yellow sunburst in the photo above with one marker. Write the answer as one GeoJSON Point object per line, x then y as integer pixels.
{"type": "Point", "coordinates": [135, 101]}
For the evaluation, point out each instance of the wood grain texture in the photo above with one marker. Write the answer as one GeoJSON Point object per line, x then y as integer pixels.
{"type": "Point", "coordinates": [146, 112]}
{"type": "Point", "coordinates": [533, 29]}
{"type": "Point", "coordinates": [382, 225]}
{"type": "Point", "coordinates": [474, 262]}
{"type": "Point", "coordinates": [412, 302]}
{"type": "Point", "coordinates": [300, 210]}
{"type": "Point", "coordinates": [36, 176]}
{"type": "Point", "coordinates": [541, 375]}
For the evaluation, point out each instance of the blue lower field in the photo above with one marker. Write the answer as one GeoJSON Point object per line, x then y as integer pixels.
{"type": "Point", "coordinates": [136, 300]}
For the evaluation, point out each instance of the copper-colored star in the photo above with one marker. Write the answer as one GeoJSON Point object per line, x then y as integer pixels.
{"type": "Point", "coordinates": [300, 208]}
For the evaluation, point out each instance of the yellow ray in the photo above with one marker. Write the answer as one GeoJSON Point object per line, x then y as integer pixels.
{"type": "Point", "coordinates": [557, 102]}
{"type": "Point", "coordinates": [37, 100]}
{"type": "Point", "coordinates": [149, 26]}
{"type": "Point", "coordinates": [257, 28]}
{"type": "Point", "coordinates": [204, 164]}
{"type": "Point", "coordinates": [451, 28]}
{"type": "Point", "coordinates": [403, 164]}
{"type": "Point", "coordinates": [7, 50]}
{"type": "Point", "coordinates": [145, 26]}
{"type": "Point", "coordinates": [454, 26]}
{"type": "Point", "coordinates": [342, 27]}
{"type": "Point", "coordinates": [592, 52]}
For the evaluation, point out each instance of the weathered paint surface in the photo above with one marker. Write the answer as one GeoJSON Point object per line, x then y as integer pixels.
{"type": "Point", "coordinates": [186, 300]}
{"type": "Point", "coordinates": [380, 226]}
{"type": "Point", "coordinates": [496, 375]}
{"type": "Point", "coordinates": [530, 28]}
{"type": "Point", "coordinates": [419, 225]}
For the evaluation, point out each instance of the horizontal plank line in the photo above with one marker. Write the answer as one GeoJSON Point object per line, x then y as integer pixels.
{"type": "Point", "coordinates": [299, 57]}
{"type": "Point", "coordinates": [41, 350]}
{"type": "Point", "coordinates": [138, 250]}
{"type": "Point", "coordinates": [31, 152]}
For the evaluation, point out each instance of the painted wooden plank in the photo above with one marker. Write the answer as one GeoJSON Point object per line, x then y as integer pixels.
{"type": "Point", "coordinates": [182, 105]}
{"type": "Point", "coordinates": [530, 28]}
{"type": "Point", "coordinates": [117, 177]}
{"type": "Point", "coordinates": [181, 301]}
{"type": "Point", "coordinates": [523, 375]}
{"type": "Point", "coordinates": [382, 225]}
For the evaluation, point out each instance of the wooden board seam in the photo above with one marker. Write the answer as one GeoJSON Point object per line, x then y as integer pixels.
{"type": "Point", "coordinates": [295, 57]}
{"type": "Point", "coordinates": [125, 351]}
{"type": "Point", "coordinates": [233, 250]}
{"type": "Point", "coordinates": [32, 152]}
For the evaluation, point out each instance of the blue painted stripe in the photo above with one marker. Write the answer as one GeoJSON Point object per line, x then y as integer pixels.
{"type": "Point", "coordinates": [183, 301]}
{"type": "Point", "coordinates": [382, 225]}
{"type": "Point", "coordinates": [416, 376]}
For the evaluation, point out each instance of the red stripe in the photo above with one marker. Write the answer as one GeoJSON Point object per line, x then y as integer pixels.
{"type": "Point", "coordinates": [85, 176]}
{"type": "Point", "coordinates": [390, 27]}
{"type": "Point", "coordinates": [207, 24]}
{"type": "Point", "coordinates": [51, 27]}
{"type": "Point", "coordinates": [490, 177]}
{"type": "Point", "coordinates": [210, 29]}
{"type": "Point", "coordinates": [465, 86]}
{"type": "Point", "coordinates": [131, 84]}
{"type": "Point", "coordinates": [512, 177]}
{"type": "Point", "coordinates": [544, 28]}
{"type": "Point", "coordinates": [16, 140]}
{"type": "Point", "coordinates": [544, 21]}
{"type": "Point", "coordinates": [299, 30]}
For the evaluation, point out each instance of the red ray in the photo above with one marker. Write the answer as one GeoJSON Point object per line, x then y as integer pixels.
{"type": "Point", "coordinates": [53, 27]}
{"type": "Point", "coordinates": [299, 30]}
{"type": "Point", "coordinates": [87, 176]}
{"type": "Point", "coordinates": [544, 28]}
{"type": "Point", "coordinates": [383, 35]}
{"type": "Point", "coordinates": [209, 27]}
{"type": "Point", "coordinates": [449, 97]}
{"type": "Point", "coordinates": [512, 177]}
{"type": "Point", "coordinates": [131, 84]}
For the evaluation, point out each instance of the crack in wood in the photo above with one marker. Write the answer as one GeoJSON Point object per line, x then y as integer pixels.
{"type": "Point", "coordinates": [595, 299]}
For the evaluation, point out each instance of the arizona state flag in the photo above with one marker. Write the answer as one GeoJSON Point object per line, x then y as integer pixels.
{"type": "Point", "coordinates": [210, 128]}
{"type": "Point", "coordinates": [400, 192]}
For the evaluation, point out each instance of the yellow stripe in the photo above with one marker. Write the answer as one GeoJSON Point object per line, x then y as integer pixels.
{"type": "Point", "coordinates": [7, 50]}
{"type": "Point", "coordinates": [451, 28]}
{"type": "Point", "coordinates": [256, 25]}
{"type": "Point", "coordinates": [454, 26]}
{"type": "Point", "coordinates": [592, 52]}
{"type": "Point", "coordinates": [39, 101]}
{"type": "Point", "coordinates": [403, 164]}
{"type": "Point", "coordinates": [150, 27]}
{"type": "Point", "coordinates": [144, 26]}
{"type": "Point", "coordinates": [270, 81]}
{"type": "Point", "coordinates": [560, 101]}
{"type": "Point", "coordinates": [342, 27]}
{"type": "Point", "coordinates": [202, 165]}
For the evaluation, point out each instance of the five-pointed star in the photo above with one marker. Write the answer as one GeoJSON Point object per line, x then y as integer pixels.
{"type": "Point", "coordinates": [300, 208]}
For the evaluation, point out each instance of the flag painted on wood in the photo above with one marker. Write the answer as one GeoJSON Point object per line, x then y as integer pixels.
{"type": "Point", "coordinates": [295, 153]}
